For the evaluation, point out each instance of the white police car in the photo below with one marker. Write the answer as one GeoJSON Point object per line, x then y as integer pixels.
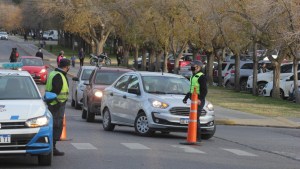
{"type": "Point", "coordinates": [26, 125]}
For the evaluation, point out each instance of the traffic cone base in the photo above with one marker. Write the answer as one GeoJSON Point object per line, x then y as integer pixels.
{"type": "Point", "coordinates": [191, 143]}
{"type": "Point", "coordinates": [63, 136]}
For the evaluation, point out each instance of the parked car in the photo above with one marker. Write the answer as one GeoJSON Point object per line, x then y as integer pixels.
{"type": "Point", "coordinates": [99, 79]}
{"type": "Point", "coordinates": [151, 101]}
{"type": "Point", "coordinates": [285, 85]}
{"type": "Point", "coordinates": [185, 71]}
{"type": "Point", "coordinates": [3, 36]}
{"type": "Point", "coordinates": [26, 123]}
{"type": "Point", "coordinates": [246, 70]}
{"type": "Point", "coordinates": [50, 35]}
{"type": "Point", "coordinates": [36, 67]}
{"type": "Point", "coordinates": [286, 69]}
{"type": "Point", "coordinates": [292, 95]}
{"type": "Point", "coordinates": [78, 87]}
{"type": "Point", "coordinates": [185, 59]}
{"type": "Point", "coordinates": [225, 67]}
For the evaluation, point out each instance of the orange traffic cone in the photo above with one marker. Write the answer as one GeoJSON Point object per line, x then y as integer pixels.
{"type": "Point", "coordinates": [63, 136]}
{"type": "Point", "coordinates": [192, 127]}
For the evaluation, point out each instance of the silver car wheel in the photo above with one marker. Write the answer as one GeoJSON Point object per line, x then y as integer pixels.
{"type": "Point", "coordinates": [142, 124]}
{"type": "Point", "coordinates": [106, 118]}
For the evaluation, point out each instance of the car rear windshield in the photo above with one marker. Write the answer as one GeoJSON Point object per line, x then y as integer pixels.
{"type": "Point", "coordinates": [107, 78]}
{"type": "Point", "coordinates": [165, 85]}
{"type": "Point", "coordinates": [18, 88]}
{"type": "Point", "coordinates": [32, 62]}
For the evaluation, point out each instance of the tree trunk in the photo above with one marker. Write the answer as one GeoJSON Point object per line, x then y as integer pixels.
{"type": "Point", "coordinates": [126, 55]}
{"type": "Point", "coordinates": [296, 78]}
{"type": "Point", "coordinates": [158, 65]}
{"type": "Point", "coordinates": [237, 86]}
{"type": "Point", "coordinates": [176, 63]}
{"type": "Point", "coordinates": [99, 47]}
{"type": "Point", "coordinates": [255, 68]}
{"type": "Point", "coordinates": [144, 59]}
{"type": "Point", "coordinates": [209, 68]}
{"type": "Point", "coordinates": [220, 61]}
{"type": "Point", "coordinates": [152, 60]}
{"type": "Point", "coordinates": [276, 78]}
{"type": "Point", "coordinates": [165, 64]}
{"type": "Point", "coordinates": [136, 55]}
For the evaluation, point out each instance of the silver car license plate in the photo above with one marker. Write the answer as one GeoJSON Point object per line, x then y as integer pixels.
{"type": "Point", "coordinates": [5, 138]}
{"type": "Point", "coordinates": [184, 120]}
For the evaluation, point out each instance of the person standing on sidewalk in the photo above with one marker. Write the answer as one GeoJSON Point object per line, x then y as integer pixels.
{"type": "Point", "coordinates": [198, 80]}
{"type": "Point", "coordinates": [58, 84]}
{"type": "Point", "coordinates": [59, 57]}
{"type": "Point", "coordinates": [81, 56]}
{"type": "Point", "coordinates": [40, 54]}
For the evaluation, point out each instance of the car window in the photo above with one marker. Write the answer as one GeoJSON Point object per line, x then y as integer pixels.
{"type": "Point", "coordinates": [286, 68]}
{"type": "Point", "coordinates": [122, 83]}
{"type": "Point", "coordinates": [133, 83]}
{"type": "Point", "coordinates": [106, 77]}
{"type": "Point", "coordinates": [32, 62]}
{"type": "Point", "coordinates": [165, 85]}
{"type": "Point", "coordinates": [17, 88]}
{"type": "Point", "coordinates": [247, 66]}
{"type": "Point", "coordinates": [230, 66]}
{"type": "Point", "coordinates": [86, 74]}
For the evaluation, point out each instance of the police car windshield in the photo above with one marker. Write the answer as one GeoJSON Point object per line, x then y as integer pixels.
{"type": "Point", "coordinates": [165, 85]}
{"type": "Point", "coordinates": [17, 88]}
{"type": "Point", "coordinates": [32, 62]}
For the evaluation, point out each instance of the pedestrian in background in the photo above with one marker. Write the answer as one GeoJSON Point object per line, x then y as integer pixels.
{"type": "Point", "coordinates": [198, 80]}
{"type": "Point", "coordinates": [14, 55]}
{"type": "Point", "coordinates": [39, 54]}
{"type": "Point", "coordinates": [81, 56]}
{"type": "Point", "coordinates": [58, 84]}
{"type": "Point", "coordinates": [119, 55]}
{"type": "Point", "coordinates": [73, 59]}
{"type": "Point", "coordinates": [59, 57]}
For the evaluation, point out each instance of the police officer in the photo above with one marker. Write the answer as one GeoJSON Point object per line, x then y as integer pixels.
{"type": "Point", "coordinates": [197, 80]}
{"type": "Point", "coordinates": [58, 83]}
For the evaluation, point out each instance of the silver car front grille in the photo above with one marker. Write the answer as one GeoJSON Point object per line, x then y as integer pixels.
{"type": "Point", "coordinates": [184, 111]}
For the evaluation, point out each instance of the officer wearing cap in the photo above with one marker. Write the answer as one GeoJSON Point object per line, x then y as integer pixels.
{"type": "Point", "coordinates": [58, 83]}
{"type": "Point", "coordinates": [198, 80]}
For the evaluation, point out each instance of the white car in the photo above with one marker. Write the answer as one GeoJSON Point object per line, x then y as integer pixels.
{"type": "Point", "coordinates": [78, 86]}
{"type": "Point", "coordinates": [285, 85]}
{"type": "Point", "coordinates": [152, 101]}
{"type": "Point", "coordinates": [3, 35]}
{"type": "Point", "coordinates": [26, 125]}
{"type": "Point", "coordinates": [286, 69]}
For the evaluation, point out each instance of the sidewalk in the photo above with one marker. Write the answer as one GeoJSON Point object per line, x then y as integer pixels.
{"type": "Point", "coordinates": [224, 116]}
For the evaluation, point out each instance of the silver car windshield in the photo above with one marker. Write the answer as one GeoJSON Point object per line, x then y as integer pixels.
{"type": "Point", "coordinates": [17, 88]}
{"type": "Point", "coordinates": [107, 78]}
{"type": "Point", "coordinates": [165, 85]}
{"type": "Point", "coordinates": [86, 74]}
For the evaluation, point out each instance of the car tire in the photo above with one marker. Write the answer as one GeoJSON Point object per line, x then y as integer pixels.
{"type": "Point", "coordinates": [45, 160]}
{"type": "Point", "coordinates": [210, 135]}
{"type": "Point", "coordinates": [106, 121]}
{"type": "Point", "coordinates": [76, 104]}
{"type": "Point", "coordinates": [84, 112]}
{"type": "Point", "coordinates": [260, 87]}
{"type": "Point", "coordinates": [243, 85]}
{"type": "Point", "coordinates": [90, 117]}
{"type": "Point", "coordinates": [141, 125]}
{"type": "Point", "coordinates": [73, 103]}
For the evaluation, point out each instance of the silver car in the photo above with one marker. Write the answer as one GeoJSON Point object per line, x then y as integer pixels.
{"type": "Point", "coordinates": [78, 85]}
{"type": "Point", "coordinates": [152, 101]}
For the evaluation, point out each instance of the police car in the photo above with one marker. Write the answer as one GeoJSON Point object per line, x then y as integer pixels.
{"type": "Point", "coordinates": [26, 125]}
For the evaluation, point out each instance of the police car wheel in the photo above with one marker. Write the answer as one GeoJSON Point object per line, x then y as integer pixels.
{"type": "Point", "coordinates": [45, 160]}
{"type": "Point", "coordinates": [106, 121]}
{"type": "Point", "coordinates": [141, 125]}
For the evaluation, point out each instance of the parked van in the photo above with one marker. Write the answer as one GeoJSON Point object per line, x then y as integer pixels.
{"type": "Point", "coordinates": [50, 35]}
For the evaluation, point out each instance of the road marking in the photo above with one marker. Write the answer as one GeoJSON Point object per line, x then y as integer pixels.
{"type": "Point", "coordinates": [239, 152]}
{"type": "Point", "coordinates": [84, 146]}
{"type": "Point", "coordinates": [189, 149]}
{"type": "Point", "coordinates": [135, 146]}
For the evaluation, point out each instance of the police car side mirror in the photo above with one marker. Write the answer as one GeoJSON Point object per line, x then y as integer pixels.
{"type": "Point", "coordinates": [49, 96]}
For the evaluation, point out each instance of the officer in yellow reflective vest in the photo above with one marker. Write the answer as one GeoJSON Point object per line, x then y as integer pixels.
{"type": "Point", "coordinates": [58, 83]}
{"type": "Point", "coordinates": [198, 80]}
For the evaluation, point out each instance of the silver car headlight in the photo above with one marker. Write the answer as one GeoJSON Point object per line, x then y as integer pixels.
{"type": "Point", "coordinates": [37, 122]}
{"type": "Point", "coordinates": [158, 104]}
{"type": "Point", "coordinates": [98, 93]}
{"type": "Point", "coordinates": [210, 107]}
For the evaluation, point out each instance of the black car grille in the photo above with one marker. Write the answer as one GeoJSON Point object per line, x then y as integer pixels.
{"type": "Point", "coordinates": [18, 141]}
{"type": "Point", "coordinates": [184, 111]}
{"type": "Point", "coordinates": [13, 125]}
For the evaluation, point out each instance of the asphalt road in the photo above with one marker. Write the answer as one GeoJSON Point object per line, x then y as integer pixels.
{"type": "Point", "coordinates": [232, 147]}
